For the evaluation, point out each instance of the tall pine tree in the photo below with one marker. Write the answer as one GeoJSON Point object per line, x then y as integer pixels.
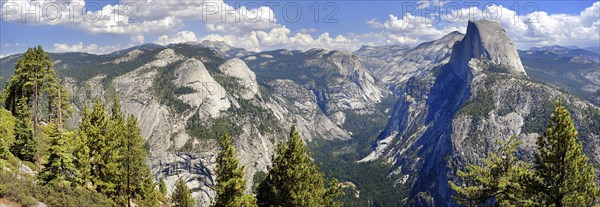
{"type": "Point", "coordinates": [181, 195]}
{"type": "Point", "coordinates": [563, 176]}
{"type": "Point", "coordinates": [25, 145]}
{"type": "Point", "coordinates": [81, 149]}
{"type": "Point", "coordinates": [230, 178]}
{"type": "Point", "coordinates": [294, 180]}
{"type": "Point", "coordinates": [58, 168]}
{"type": "Point", "coordinates": [137, 173]}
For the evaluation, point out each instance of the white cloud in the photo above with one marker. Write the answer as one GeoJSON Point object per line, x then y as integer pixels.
{"type": "Point", "coordinates": [526, 30]}
{"type": "Point", "coordinates": [90, 48]}
{"type": "Point", "coordinates": [138, 39]}
{"type": "Point", "coordinates": [180, 37]}
{"type": "Point", "coordinates": [254, 26]}
{"type": "Point", "coordinates": [282, 37]}
{"type": "Point", "coordinates": [135, 17]}
{"type": "Point", "coordinates": [2, 56]}
{"type": "Point", "coordinates": [410, 29]}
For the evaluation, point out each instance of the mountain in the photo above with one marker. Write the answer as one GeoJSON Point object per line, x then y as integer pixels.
{"type": "Point", "coordinates": [394, 65]}
{"type": "Point", "coordinates": [563, 51]}
{"type": "Point", "coordinates": [186, 95]}
{"type": "Point", "coordinates": [458, 112]}
{"type": "Point", "coordinates": [226, 50]}
{"type": "Point", "coordinates": [393, 122]}
{"type": "Point", "coordinates": [571, 69]}
{"type": "Point", "coordinates": [594, 49]}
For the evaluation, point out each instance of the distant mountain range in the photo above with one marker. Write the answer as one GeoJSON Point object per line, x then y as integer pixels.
{"type": "Point", "coordinates": [417, 109]}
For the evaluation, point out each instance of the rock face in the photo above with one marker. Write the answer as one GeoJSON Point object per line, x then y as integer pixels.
{"type": "Point", "coordinates": [456, 113]}
{"type": "Point", "coordinates": [486, 40]}
{"type": "Point", "coordinates": [338, 80]}
{"type": "Point", "coordinates": [394, 65]}
{"type": "Point", "coordinates": [238, 69]}
{"type": "Point", "coordinates": [208, 93]}
{"type": "Point", "coordinates": [216, 92]}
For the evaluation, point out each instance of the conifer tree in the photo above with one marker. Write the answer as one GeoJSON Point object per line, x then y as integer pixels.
{"type": "Point", "coordinates": [59, 167]}
{"type": "Point", "coordinates": [81, 149]}
{"type": "Point", "coordinates": [95, 133]}
{"type": "Point", "coordinates": [563, 176]}
{"type": "Point", "coordinates": [25, 145]}
{"type": "Point", "coordinates": [162, 187]}
{"type": "Point", "coordinates": [148, 193]}
{"type": "Point", "coordinates": [29, 82]}
{"type": "Point", "coordinates": [294, 180]}
{"type": "Point", "coordinates": [113, 174]}
{"type": "Point", "coordinates": [135, 168]}
{"type": "Point", "coordinates": [498, 181]}
{"type": "Point", "coordinates": [230, 177]}
{"type": "Point", "coordinates": [182, 196]}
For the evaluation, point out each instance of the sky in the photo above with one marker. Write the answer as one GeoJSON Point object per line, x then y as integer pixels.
{"type": "Point", "coordinates": [104, 26]}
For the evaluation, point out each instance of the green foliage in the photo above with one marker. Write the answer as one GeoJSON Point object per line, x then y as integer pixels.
{"type": "Point", "coordinates": [563, 176]}
{"type": "Point", "coordinates": [537, 120]}
{"type": "Point", "coordinates": [375, 185]}
{"type": "Point", "coordinates": [26, 192]}
{"type": "Point", "coordinates": [182, 196]}
{"type": "Point", "coordinates": [498, 180]}
{"type": "Point", "coordinates": [111, 155]}
{"type": "Point", "coordinates": [167, 92]}
{"type": "Point", "coordinates": [148, 193]}
{"type": "Point", "coordinates": [294, 180]}
{"type": "Point", "coordinates": [212, 128]}
{"type": "Point", "coordinates": [7, 133]}
{"type": "Point", "coordinates": [230, 177]}
{"type": "Point", "coordinates": [258, 178]}
{"type": "Point", "coordinates": [162, 186]}
{"type": "Point", "coordinates": [25, 145]}
{"type": "Point", "coordinates": [363, 126]}
{"type": "Point", "coordinates": [58, 168]}
{"type": "Point", "coordinates": [81, 149]}
{"type": "Point", "coordinates": [479, 106]}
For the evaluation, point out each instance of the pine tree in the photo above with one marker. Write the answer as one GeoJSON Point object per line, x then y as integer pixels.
{"type": "Point", "coordinates": [58, 101]}
{"type": "Point", "coordinates": [498, 181]}
{"type": "Point", "coordinates": [33, 82]}
{"type": "Point", "coordinates": [136, 170]}
{"type": "Point", "coordinates": [25, 145]}
{"type": "Point", "coordinates": [94, 129]}
{"type": "Point", "coordinates": [162, 187]}
{"type": "Point", "coordinates": [230, 177]}
{"type": "Point", "coordinates": [563, 175]}
{"type": "Point", "coordinates": [81, 149]}
{"type": "Point", "coordinates": [113, 174]}
{"type": "Point", "coordinates": [294, 179]}
{"type": "Point", "coordinates": [148, 193]}
{"type": "Point", "coordinates": [182, 196]}
{"type": "Point", "coordinates": [28, 82]}
{"type": "Point", "coordinates": [59, 167]}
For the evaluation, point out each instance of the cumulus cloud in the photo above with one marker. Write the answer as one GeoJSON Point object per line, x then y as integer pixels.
{"type": "Point", "coordinates": [526, 30]}
{"type": "Point", "coordinates": [180, 37]}
{"type": "Point", "coordinates": [90, 48]}
{"type": "Point", "coordinates": [138, 39]}
{"type": "Point", "coordinates": [136, 17]}
{"type": "Point", "coordinates": [282, 37]}
{"type": "Point", "coordinates": [410, 29]}
{"type": "Point", "coordinates": [254, 26]}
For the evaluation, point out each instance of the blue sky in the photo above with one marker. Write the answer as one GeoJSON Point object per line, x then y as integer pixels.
{"type": "Point", "coordinates": [262, 25]}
